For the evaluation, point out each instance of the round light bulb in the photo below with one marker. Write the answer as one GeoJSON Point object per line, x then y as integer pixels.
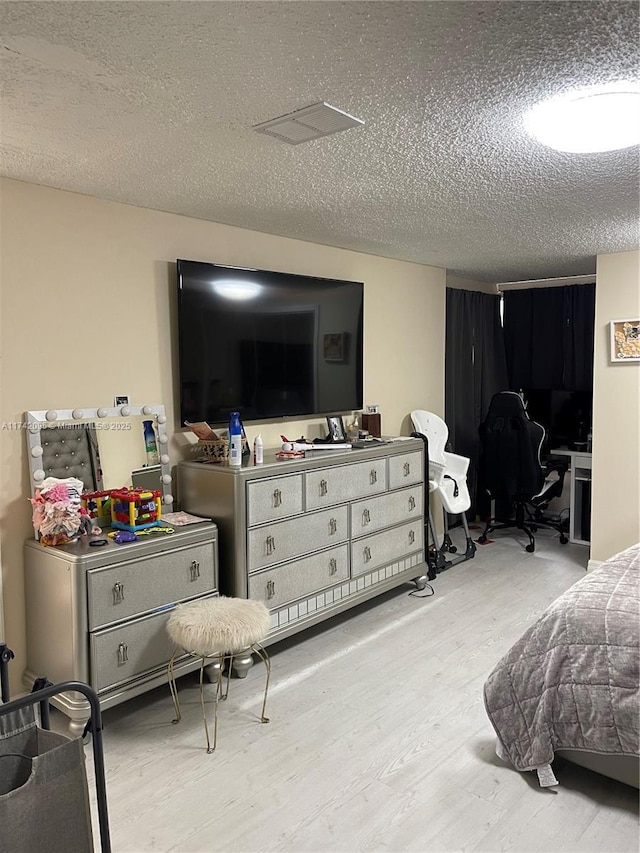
{"type": "Point", "coordinates": [604, 118]}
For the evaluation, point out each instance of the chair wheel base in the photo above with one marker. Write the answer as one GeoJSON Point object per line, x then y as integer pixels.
{"type": "Point", "coordinates": [563, 539]}
{"type": "Point", "coordinates": [530, 548]}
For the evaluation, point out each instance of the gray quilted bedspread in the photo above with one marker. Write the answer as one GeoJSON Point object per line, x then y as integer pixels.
{"type": "Point", "coordinates": [571, 680]}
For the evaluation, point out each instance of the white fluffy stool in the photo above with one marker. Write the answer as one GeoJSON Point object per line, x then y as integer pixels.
{"type": "Point", "coordinates": [218, 628]}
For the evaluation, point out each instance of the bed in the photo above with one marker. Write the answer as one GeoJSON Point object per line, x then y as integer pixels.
{"type": "Point", "coordinates": [569, 686]}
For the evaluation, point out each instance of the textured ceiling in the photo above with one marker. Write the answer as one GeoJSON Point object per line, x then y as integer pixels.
{"type": "Point", "coordinates": [152, 104]}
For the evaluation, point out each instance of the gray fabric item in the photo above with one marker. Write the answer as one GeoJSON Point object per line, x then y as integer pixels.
{"type": "Point", "coordinates": [44, 797]}
{"type": "Point", "coordinates": [572, 680]}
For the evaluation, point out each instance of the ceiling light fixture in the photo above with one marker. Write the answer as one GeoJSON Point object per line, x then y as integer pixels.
{"type": "Point", "coordinates": [601, 118]}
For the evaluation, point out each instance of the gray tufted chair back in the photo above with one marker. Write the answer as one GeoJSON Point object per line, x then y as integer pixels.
{"type": "Point", "coordinates": [72, 451]}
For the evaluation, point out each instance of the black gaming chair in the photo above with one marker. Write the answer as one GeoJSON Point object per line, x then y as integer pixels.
{"type": "Point", "coordinates": [511, 470]}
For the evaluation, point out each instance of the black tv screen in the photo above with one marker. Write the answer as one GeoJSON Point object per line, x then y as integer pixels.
{"type": "Point", "coordinates": [266, 344]}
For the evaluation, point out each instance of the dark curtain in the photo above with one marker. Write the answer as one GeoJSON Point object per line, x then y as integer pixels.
{"type": "Point", "coordinates": [548, 334]}
{"type": "Point", "coordinates": [580, 311]}
{"type": "Point", "coordinates": [475, 370]}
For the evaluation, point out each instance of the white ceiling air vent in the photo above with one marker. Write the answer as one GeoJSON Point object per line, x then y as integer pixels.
{"type": "Point", "coordinates": [308, 123]}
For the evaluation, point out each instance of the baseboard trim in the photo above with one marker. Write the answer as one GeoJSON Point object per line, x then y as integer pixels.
{"type": "Point", "coordinates": [594, 564]}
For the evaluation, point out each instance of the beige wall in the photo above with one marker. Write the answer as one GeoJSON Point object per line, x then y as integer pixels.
{"type": "Point", "coordinates": [615, 507]}
{"type": "Point", "coordinates": [87, 290]}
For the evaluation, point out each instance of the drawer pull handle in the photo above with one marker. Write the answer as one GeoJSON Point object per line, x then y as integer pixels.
{"type": "Point", "coordinates": [373, 476]}
{"type": "Point", "coordinates": [195, 570]}
{"type": "Point", "coordinates": [412, 537]}
{"type": "Point", "coordinates": [271, 589]}
{"type": "Point", "coordinates": [118, 593]}
{"type": "Point", "coordinates": [333, 526]}
{"type": "Point", "coordinates": [123, 654]}
{"type": "Point", "coordinates": [270, 544]}
{"type": "Point", "coordinates": [412, 503]}
{"type": "Point", "coordinates": [323, 488]}
{"type": "Point", "coordinates": [367, 554]}
{"type": "Point", "coordinates": [333, 566]}
{"type": "Point", "coordinates": [407, 469]}
{"type": "Point", "coordinates": [366, 517]}
{"type": "Point", "coordinates": [277, 498]}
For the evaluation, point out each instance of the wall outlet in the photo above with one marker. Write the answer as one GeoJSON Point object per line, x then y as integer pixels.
{"type": "Point", "coordinates": [121, 400]}
{"type": "Point", "coordinates": [373, 409]}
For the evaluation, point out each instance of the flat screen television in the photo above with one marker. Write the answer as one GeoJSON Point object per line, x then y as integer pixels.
{"type": "Point", "coordinates": [266, 344]}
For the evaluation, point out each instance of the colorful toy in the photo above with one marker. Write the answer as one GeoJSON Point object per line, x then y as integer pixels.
{"type": "Point", "coordinates": [135, 509]}
{"type": "Point", "coordinates": [122, 536]}
{"type": "Point", "coordinates": [97, 504]}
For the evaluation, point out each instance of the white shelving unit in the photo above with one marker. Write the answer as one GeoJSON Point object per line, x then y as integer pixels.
{"type": "Point", "coordinates": [580, 494]}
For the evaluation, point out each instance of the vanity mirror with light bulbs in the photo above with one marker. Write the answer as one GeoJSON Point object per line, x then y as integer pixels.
{"type": "Point", "coordinates": [103, 447]}
{"type": "Point", "coordinates": [98, 614]}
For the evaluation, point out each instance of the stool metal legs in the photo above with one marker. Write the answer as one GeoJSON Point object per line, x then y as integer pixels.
{"type": "Point", "coordinates": [220, 661]}
{"type": "Point", "coordinates": [262, 654]}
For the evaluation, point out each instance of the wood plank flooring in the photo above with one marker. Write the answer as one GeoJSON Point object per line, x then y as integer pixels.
{"type": "Point", "coordinates": [378, 737]}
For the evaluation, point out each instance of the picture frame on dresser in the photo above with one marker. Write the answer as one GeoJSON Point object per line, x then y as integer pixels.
{"type": "Point", "coordinates": [335, 426]}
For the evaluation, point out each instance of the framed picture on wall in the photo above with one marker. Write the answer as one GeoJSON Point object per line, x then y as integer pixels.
{"type": "Point", "coordinates": [625, 340]}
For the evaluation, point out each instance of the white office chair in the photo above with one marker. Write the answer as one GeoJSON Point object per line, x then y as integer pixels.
{"type": "Point", "coordinates": [447, 477]}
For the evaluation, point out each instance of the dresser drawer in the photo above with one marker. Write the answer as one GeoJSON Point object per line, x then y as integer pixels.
{"type": "Point", "coordinates": [277, 497]}
{"type": "Point", "coordinates": [119, 592]}
{"type": "Point", "coordinates": [382, 511]}
{"type": "Point", "coordinates": [275, 543]}
{"type": "Point", "coordinates": [283, 584]}
{"type": "Point", "coordinates": [406, 469]}
{"type": "Point", "coordinates": [127, 651]}
{"type": "Point", "coordinates": [380, 549]}
{"type": "Point", "coordinates": [327, 486]}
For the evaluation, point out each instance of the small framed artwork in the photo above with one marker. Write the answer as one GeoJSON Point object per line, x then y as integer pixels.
{"type": "Point", "coordinates": [335, 425]}
{"type": "Point", "coordinates": [334, 346]}
{"type": "Point", "coordinates": [625, 341]}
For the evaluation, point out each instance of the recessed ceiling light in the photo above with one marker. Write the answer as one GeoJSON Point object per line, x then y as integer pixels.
{"type": "Point", "coordinates": [602, 118]}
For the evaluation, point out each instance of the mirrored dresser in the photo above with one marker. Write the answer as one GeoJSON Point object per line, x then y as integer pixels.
{"type": "Point", "coordinates": [98, 614]}
{"type": "Point", "coordinates": [313, 537]}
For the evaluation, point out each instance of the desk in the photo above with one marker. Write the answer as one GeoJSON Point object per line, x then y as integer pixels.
{"type": "Point", "coordinates": [580, 494]}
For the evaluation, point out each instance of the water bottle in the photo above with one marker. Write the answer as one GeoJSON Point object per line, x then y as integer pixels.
{"type": "Point", "coordinates": [235, 440]}
{"type": "Point", "coordinates": [150, 444]}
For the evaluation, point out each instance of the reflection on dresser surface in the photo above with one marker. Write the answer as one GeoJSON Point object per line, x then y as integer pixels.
{"type": "Point", "coordinates": [98, 614]}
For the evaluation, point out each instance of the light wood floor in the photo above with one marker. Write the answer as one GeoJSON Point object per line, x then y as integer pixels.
{"type": "Point", "coordinates": [378, 737]}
